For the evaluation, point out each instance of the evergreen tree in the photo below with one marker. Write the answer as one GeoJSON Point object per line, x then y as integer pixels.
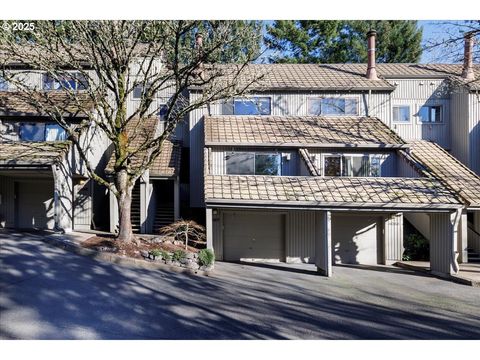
{"type": "Point", "coordinates": [339, 41]}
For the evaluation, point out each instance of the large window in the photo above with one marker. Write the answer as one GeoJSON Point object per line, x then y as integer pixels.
{"type": "Point", "coordinates": [41, 132]}
{"type": "Point", "coordinates": [332, 106]}
{"type": "Point", "coordinates": [251, 163]}
{"type": "Point", "coordinates": [351, 165]}
{"type": "Point", "coordinates": [401, 113]}
{"type": "Point", "coordinates": [71, 81]}
{"type": "Point", "coordinates": [252, 106]}
{"type": "Point", "coordinates": [430, 114]}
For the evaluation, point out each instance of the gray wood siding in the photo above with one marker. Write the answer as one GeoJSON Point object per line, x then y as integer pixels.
{"type": "Point", "coordinates": [7, 207]}
{"type": "Point", "coordinates": [300, 236]}
{"type": "Point", "coordinates": [393, 235]}
{"type": "Point", "coordinates": [460, 125]}
{"type": "Point", "coordinates": [417, 93]}
{"type": "Point", "coordinates": [406, 168]}
{"type": "Point", "coordinates": [441, 243]}
{"type": "Point", "coordinates": [474, 131]}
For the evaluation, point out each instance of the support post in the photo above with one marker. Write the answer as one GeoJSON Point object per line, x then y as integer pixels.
{"type": "Point", "coordinates": [323, 242]}
{"type": "Point", "coordinates": [176, 198]}
{"type": "Point", "coordinates": [209, 228]}
{"type": "Point", "coordinates": [393, 238]}
{"type": "Point", "coordinates": [144, 200]}
{"type": "Point", "coordinates": [112, 199]}
{"type": "Point", "coordinates": [63, 197]}
{"type": "Point", "coordinates": [462, 241]}
{"type": "Point", "coordinates": [443, 242]}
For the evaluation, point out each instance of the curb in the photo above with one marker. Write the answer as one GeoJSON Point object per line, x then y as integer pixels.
{"type": "Point", "coordinates": [117, 259]}
{"type": "Point", "coordinates": [452, 278]}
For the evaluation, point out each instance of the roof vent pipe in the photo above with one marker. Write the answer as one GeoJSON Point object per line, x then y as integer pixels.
{"type": "Point", "coordinates": [371, 70]}
{"type": "Point", "coordinates": [468, 73]}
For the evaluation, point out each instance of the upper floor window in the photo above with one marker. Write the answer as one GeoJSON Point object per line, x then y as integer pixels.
{"type": "Point", "coordinates": [72, 81]}
{"type": "Point", "coordinates": [138, 90]}
{"type": "Point", "coordinates": [351, 165]}
{"type": "Point", "coordinates": [332, 106]}
{"type": "Point", "coordinates": [430, 114]}
{"type": "Point", "coordinates": [252, 106]}
{"type": "Point", "coordinates": [251, 163]}
{"type": "Point", "coordinates": [41, 132]}
{"type": "Point", "coordinates": [3, 84]}
{"type": "Point", "coordinates": [401, 113]}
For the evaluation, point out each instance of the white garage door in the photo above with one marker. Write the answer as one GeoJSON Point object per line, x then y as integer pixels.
{"type": "Point", "coordinates": [355, 239]}
{"type": "Point", "coordinates": [35, 205]}
{"type": "Point", "coordinates": [254, 236]}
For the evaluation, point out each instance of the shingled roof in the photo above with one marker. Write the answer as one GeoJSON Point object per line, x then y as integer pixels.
{"type": "Point", "coordinates": [330, 77]}
{"type": "Point", "coordinates": [455, 175]}
{"type": "Point", "coordinates": [299, 131]}
{"type": "Point", "coordinates": [16, 104]}
{"type": "Point", "coordinates": [167, 164]}
{"type": "Point", "coordinates": [17, 153]}
{"type": "Point", "coordinates": [347, 192]}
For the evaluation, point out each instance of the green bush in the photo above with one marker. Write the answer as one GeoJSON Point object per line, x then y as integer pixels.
{"type": "Point", "coordinates": [165, 255]}
{"type": "Point", "coordinates": [155, 252]}
{"type": "Point", "coordinates": [416, 248]}
{"type": "Point", "coordinates": [179, 255]}
{"type": "Point", "coordinates": [206, 257]}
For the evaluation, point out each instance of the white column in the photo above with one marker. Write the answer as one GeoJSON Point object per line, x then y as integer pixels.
{"type": "Point", "coordinates": [113, 212]}
{"type": "Point", "coordinates": [443, 242]}
{"type": "Point", "coordinates": [323, 242]}
{"type": "Point", "coordinates": [209, 228]}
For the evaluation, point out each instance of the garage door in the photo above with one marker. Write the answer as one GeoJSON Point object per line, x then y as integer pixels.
{"type": "Point", "coordinates": [35, 205]}
{"type": "Point", "coordinates": [254, 236]}
{"type": "Point", "coordinates": [355, 239]}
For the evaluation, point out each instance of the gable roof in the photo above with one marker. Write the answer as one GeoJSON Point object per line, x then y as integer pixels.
{"type": "Point", "coordinates": [25, 153]}
{"type": "Point", "coordinates": [446, 168]}
{"type": "Point", "coordinates": [167, 163]}
{"type": "Point", "coordinates": [315, 191]}
{"type": "Point", "coordinates": [299, 131]}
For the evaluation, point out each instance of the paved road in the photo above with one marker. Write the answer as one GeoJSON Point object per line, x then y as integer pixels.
{"type": "Point", "coordinates": [47, 293]}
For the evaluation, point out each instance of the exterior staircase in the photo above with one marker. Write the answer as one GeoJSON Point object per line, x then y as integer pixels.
{"type": "Point", "coordinates": [163, 216]}
{"type": "Point", "coordinates": [135, 211]}
{"type": "Point", "coordinates": [473, 257]}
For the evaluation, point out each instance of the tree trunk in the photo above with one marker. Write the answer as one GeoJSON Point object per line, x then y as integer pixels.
{"type": "Point", "coordinates": [124, 199]}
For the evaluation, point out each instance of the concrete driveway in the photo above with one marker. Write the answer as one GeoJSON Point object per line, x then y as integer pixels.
{"type": "Point", "coordinates": [47, 293]}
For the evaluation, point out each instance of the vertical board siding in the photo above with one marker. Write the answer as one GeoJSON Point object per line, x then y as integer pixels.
{"type": "Point", "coordinates": [474, 131]}
{"type": "Point", "coordinates": [300, 236]}
{"type": "Point", "coordinates": [406, 169]}
{"type": "Point", "coordinates": [460, 125]}
{"type": "Point", "coordinates": [441, 243]}
{"type": "Point", "coordinates": [393, 234]}
{"type": "Point", "coordinates": [217, 233]}
{"type": "Point", "coordinates": [7, 202]}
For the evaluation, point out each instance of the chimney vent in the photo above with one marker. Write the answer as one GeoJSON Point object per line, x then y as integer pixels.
{"type": "Point", "coordinates": [371, 70]}
{"type": "Point", "coordinates": [468, 73]}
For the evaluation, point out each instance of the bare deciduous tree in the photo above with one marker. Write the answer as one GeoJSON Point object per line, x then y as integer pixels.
{"type": "Point", "coordinates": [97, 65]}
{"type": "Point", "coordinates": [186, 231]}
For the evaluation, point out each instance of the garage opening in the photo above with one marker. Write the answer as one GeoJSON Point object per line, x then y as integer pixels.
{"type": "Point", "coordinates": [254, 236]}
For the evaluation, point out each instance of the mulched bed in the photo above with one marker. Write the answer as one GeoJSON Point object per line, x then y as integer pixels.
{"type": "Point", "coordinates": [131, 249]}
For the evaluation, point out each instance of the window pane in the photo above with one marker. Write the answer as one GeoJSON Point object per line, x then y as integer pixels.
{"type": "Point", "coordinates": [435, 114]}
{"type": "Point", "coordinates": [314, 106]}
{"type": "Point", "coordinates": [240, 163]}
{"type": "Point", "coordinates": [332, 106]}
{"type": "Point", "coordinates": [3, 84]}
{"type": "Point", "coordinates": [424, 114]}
{"type": "Point", "coordinates": [332, 166]}
{"type": "Point", "coordinates": [255, 106]}
{"type": "Point", "coordinates": [267, 164]}
{"type": "Point", "coordinates": [54, 132]}
{"type": "Point", "coordinates": [351, 107]}
{"type": "Point", "coordinates": [360, 166]}
{"type": "Point", "coordinates": [401, 113]}
{"type": "Point", "coordinates": [163, 112]}
{"type": "Point", "coordinates": [375, 166]}
{"type": "Point", "coordinates": [32, 132]}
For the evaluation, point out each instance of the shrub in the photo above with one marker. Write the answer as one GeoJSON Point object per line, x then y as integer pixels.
{"type": "Point", "coordinates": [206, 257]}
{"type": "Point", "coordinates": [186, 231]}
{"type": "Point", "coordinates": [416, 248]}
{"type": "Point", "coordinates": [155, 252]}
{"type": "Point", "coordinates": [179, 255]}
{"type": "Point", "coordinates": [165, 255]}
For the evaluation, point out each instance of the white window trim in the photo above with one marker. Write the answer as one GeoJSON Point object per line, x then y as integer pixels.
{"type": "Point", "coordinates": [370, 155]}
{"type": "Point", "coordinates": [409, 122]}
{"type": "Point", "coordinates": [442, 115]}
{"type": "Point", "coordinates": [279, 154]}
{"type": "Point", "coordinates": [357, 108]}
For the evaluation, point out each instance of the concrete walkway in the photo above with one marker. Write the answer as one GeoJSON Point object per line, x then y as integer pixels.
{"type": "Point", "coordinates": [469, 273]}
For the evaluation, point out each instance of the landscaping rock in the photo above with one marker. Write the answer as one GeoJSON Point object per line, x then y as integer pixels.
{"type": "Point", "coordinates": [156, 240]}
{"type": "Point", "coordinates": [190, 255]}
{"type": "Point", "coordinates": [177, 242]}
{"type": "Point", "coordinates": [192, 265]}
